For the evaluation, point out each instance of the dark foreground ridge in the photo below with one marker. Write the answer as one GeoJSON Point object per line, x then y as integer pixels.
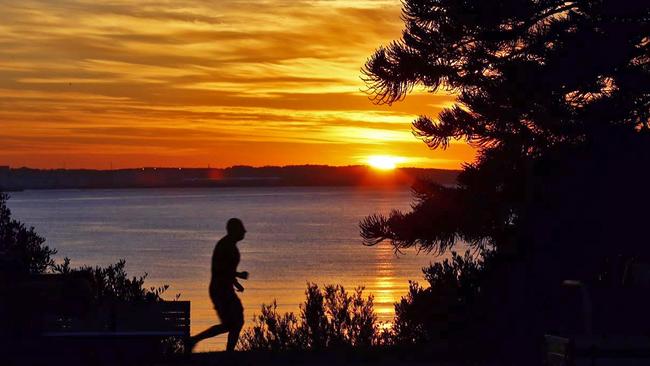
{"type": "Point", "coordinates": [237, 176]}
{"type": "Point", "coordinates": [375, 356]}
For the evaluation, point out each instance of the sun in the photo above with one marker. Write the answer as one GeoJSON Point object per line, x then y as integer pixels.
{"type": "Point", "coordinates": [384, 162]}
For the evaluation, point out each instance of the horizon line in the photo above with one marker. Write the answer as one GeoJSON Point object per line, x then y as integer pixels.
{"type": "Point", "coordinates": [221, 168]}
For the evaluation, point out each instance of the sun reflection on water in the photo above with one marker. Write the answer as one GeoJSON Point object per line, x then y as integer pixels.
{"type": "Point", "coordinates": [385, 288]}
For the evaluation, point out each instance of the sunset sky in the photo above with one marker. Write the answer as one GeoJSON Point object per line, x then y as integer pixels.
{"type": "Point", "coordinates": [196, 83]}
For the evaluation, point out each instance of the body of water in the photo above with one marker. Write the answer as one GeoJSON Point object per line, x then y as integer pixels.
{"type": "Point", "coordinates": [295, 235]}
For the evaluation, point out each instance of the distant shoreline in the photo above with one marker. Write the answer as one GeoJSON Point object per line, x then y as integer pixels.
{"type": "Point", "coordinates": [19, 179]}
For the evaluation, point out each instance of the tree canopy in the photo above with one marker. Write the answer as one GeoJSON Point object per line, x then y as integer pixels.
{"type": "Point", "coordinates": [536, 81]}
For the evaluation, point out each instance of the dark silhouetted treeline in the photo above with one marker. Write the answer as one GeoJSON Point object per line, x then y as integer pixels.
{"type": "Point", "coordinates": [237, 176]}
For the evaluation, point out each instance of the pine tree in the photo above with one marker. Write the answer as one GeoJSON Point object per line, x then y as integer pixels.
{"type": "Point", "coordinates": [555, 96]}
{"type": "Point", "coordinates": [535, 80]}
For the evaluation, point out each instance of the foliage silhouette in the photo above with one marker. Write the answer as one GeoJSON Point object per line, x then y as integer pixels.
{"type": "Point", "coordinates": [555, 96]}
{"type": "Point", "coordinates": [529, 76]}
{"type": "Point", "coordinates": [33, 295]}
{"type": "Point", "coordinates": [329, 318]}
{"type": "Point", "coordinates": [22, 250]}
{"type": "Point", "coordinates": [444, 309]}
{"type": "Point", "coordinates": [22, 253]}
{"type": "Point", "coordinates": [112, 283]}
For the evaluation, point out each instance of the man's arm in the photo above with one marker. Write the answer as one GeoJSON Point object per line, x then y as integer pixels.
{"type": "Point", "coordinates": [243, 275]}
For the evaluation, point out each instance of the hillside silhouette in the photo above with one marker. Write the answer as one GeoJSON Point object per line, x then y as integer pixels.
{"type": "Point", "coordinates": [236, 176]}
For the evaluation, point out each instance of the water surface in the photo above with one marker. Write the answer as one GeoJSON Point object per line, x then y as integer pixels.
{"type": "Point", "coordinates": [294, 235]}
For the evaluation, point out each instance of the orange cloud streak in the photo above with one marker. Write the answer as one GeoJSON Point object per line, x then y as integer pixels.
{"type": "Point", "coordinates": [197, 83]}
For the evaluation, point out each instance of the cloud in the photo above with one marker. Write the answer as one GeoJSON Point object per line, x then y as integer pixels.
{"type": "Point", "coordinates": [80, 77]}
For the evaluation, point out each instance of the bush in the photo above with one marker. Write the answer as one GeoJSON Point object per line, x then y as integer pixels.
{"type": "Point", "coordinates": [22, 250]}
{"type": "Point", "coordinates": [113, 283]}
{"type": "Point", "coordinates": [446, 312]}
{"type": "Point", "coordinates": [329, 318]}
{"type": "Point", "coordinates": [23, 254]}
{"type": "Point", "coordinates": [273, 331]}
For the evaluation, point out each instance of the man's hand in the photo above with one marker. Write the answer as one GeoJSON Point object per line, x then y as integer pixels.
{"type": "Point", "coordinates": [239, 287]}
{"type": "Point", "coordinates": [242, 275]}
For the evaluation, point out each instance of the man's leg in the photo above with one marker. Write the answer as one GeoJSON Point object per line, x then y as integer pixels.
{"type": "Point", "coordinates": [213, 331]}
{"type": "Point", "coordinates": [235, 324]}
{"type": "Point", "coordinates": [233, 335]}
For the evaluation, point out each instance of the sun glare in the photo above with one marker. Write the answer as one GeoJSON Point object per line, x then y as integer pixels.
{"type": "Point", "coordinates": [384, 162]}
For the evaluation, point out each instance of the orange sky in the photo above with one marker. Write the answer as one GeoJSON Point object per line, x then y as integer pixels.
{"type": "Point", "coordinates": [201, 82]}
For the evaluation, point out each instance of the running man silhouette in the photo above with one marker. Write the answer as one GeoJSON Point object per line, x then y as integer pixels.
{"type": "Point", "coordinates": [223, 283]}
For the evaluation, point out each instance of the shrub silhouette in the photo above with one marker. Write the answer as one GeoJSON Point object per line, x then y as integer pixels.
{"type": "Point", "coordinates": [23, 253]}
{"type": "Point", "coordinates": [447, 309]}
{"type": "Point", "coordinates": [22, 250]}
{"type": "Point", "coordinates": [273, 331]}
{"type": "Point", "coordinates": [112, 283]}
{"type": "Point", "coordinates": [24, 258]}
{"type": "Point", "coordinates": [329, 318]}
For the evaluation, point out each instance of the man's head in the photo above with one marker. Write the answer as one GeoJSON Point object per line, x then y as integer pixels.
{"type": "Point", "coordinates": [235, 228]}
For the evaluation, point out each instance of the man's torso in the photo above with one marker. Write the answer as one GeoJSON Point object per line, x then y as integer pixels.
{"type": "Point", "coordinates": [225, 259]}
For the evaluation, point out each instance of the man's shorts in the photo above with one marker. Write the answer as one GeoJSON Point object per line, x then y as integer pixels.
{"type": "Point", "coordinates": [228, 306]}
